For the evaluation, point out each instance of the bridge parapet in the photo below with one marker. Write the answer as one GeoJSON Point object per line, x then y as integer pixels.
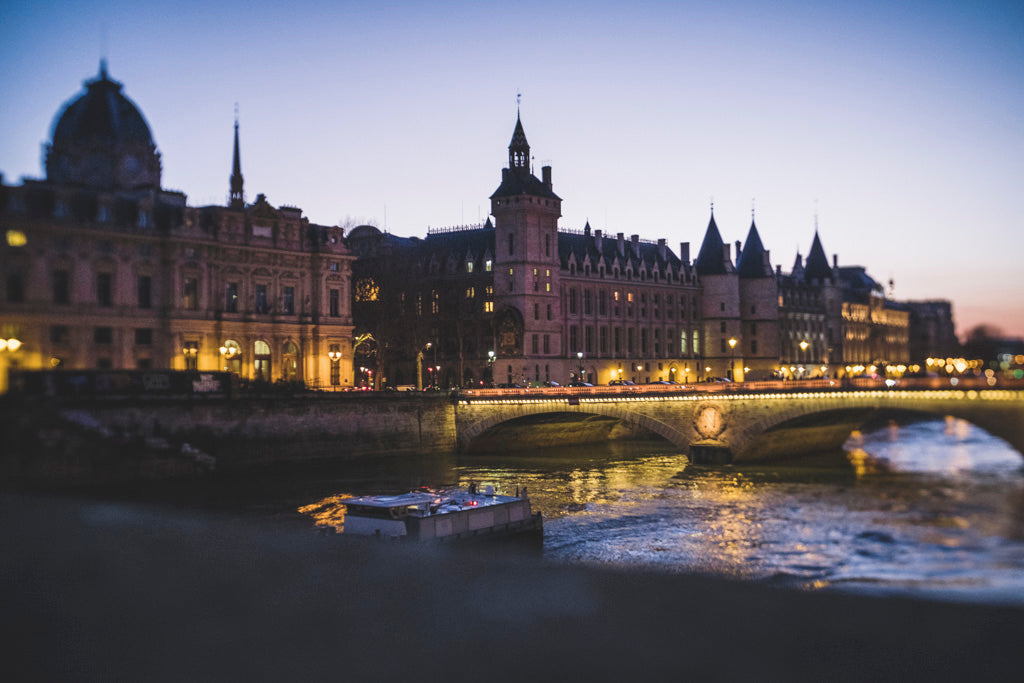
{"type": "Point", "coordinates": [749, 425]}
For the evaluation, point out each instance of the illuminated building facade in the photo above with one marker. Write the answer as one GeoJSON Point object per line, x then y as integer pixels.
{"type": "Point", "coordinates": [836, 321]}
{"type": "Point", "coordinates": [522, 301]}
{"type": "Point", "coordinates": [102, 268]}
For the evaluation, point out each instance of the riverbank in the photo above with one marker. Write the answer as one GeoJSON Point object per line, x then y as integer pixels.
{"type": "Point", "coordinates": [102, 591]}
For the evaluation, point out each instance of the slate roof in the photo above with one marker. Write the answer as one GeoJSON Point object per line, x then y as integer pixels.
{"type": "Point", "coordinates": [817, 266]}
{"type": "Point", "coordinates": [583, 246]}
{"type": "Point", "coordinates": [711, 259]}
{"type": "Point", "coordinates": [516, 182]}
{"type": "Point", "coordinates": [858, 285]}
{"type": "Point", "coordinates": [753, 261]}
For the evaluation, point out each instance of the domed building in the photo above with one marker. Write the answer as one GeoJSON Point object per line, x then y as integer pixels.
{"type": "Point", "coordinates": [103, 269]}
{"type": "Point", "coordinates": [101, 140]}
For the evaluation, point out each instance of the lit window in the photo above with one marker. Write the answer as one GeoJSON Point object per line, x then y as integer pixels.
{"type": "Point", "coordinates": [469, 266]}
{"type": "Point", "coordinates": [16, 238]}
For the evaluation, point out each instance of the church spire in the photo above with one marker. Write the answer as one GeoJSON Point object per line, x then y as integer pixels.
{"type": "Point", "coordinates": [237, 194]}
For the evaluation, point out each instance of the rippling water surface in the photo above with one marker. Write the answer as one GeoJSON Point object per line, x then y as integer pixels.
{"type": "Point", "coordinates": [931, 508]}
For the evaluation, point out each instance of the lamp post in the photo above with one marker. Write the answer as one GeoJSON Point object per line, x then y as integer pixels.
{"type": "Point", "coordinates": [227, 353]}
{"type": "Point", "coordinates": [419, 366]}
{"type": "Point", "coordinates": [7, 346]}
{"type": "Point", "coordinates": [579, 361]}
{"type": "Point", "coordinates": [732, 360]}
{"type": "Point", "coordinates": [490, 367]}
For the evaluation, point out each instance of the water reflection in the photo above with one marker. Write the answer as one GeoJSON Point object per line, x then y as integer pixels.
{"type": "Point", "coordinates": [926, 507]}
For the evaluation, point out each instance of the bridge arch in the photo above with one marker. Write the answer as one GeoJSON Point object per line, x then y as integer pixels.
{"type": "Point", "coordinates": [823, 422]}
{"type": "Point", "coordinates": [758, 426]}
{"type": "Point", "coordinates": [473, 427]}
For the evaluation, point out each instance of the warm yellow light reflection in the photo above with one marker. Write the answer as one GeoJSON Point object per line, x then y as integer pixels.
{"type": "Point", "coordinates": [328, 513]}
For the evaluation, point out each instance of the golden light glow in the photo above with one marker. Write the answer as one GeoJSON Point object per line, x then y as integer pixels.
{"type": "Point", "coordinates": [804, 345]}
{"type": "Point", "coordinates": [732, 343]}
{"type": "Point", "coordinates": [16, 238]}
{"type": "Point", "coordinates": [11, 344]}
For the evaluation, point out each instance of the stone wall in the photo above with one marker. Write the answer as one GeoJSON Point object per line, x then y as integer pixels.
{"type": "Point", "coordinates": [122, 441]}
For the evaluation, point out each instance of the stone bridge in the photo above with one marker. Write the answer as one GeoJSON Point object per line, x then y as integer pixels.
{"type": "Point", "coordinates": [745, 427]}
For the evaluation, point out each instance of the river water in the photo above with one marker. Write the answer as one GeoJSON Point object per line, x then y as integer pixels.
{"type": "Point", "coordinates": [931, 508]}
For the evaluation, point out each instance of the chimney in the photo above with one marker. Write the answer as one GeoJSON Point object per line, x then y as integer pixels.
{"type": "Point", "coordinates": [737, 251]}
{"type": "Point", "coordinates": [767, 260]}
{"type": "Point", "coordinates": [545, 173]}
{"type": "Point", "coordinates": [778, 270]}
{"type": "Point", "coordinates": [635, 239]}
{"type": "Point", "coordinates": [661, 248]}
{"type": "Point", "coordinates": [835, 261]}
{"type": "Point", "coordinates": [725, 253]}
{"type": "Point", "coordinates": [622, 244]}
{"type": "Point", "coordinates": [684, 252]}
{"type": "Point", "coordinates": [597, 240]}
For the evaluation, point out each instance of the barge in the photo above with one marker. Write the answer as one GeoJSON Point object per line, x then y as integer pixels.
{"type": "Point", "coordinates": [447, 515]}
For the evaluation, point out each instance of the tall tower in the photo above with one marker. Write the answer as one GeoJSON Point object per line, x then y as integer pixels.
{"type": "Point", "coordinates": [721, 353]}
{"type": "Point", "coordinates": [759, 309]}
{"type": "Point", "coordinates": [237, 195]}
{"type": "Point", "coordinates": [526, 281]}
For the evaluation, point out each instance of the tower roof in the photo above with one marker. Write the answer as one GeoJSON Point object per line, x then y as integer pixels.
{"type": "Point", "coordinates": [712, 260]}
{"type": "Point", "coordinates": [753, 261]}
{"type": "Point", "coordinates": [817, 263]}
{"type": "Point", "coordinates": [519, 135]}
{"type": "Point", "coordinates": [101, 115]}
{"type": "Point", "coordinates": [518, 179]}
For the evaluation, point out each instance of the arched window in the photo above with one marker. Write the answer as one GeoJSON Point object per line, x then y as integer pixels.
{"type": "Point", "coordinates": [290, 369]}
{"type": "Point", "coordinates": [261, 361]}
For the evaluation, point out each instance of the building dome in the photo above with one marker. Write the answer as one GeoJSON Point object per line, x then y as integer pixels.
{"type": "Point", "coordinates": [101, 140]}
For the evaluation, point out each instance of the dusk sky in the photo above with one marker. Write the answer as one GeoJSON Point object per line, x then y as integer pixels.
{"type": "Point", "coordinates": [899, 127]}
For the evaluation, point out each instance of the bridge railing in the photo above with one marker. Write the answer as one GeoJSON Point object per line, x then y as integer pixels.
{"type": "Point", "coordinates": [775, 386]}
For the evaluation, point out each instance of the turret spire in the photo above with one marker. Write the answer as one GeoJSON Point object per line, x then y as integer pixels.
{"type": "Point", "coordinates": [519, 148]}
{"type": "Point", "coordinates": [237, 194]}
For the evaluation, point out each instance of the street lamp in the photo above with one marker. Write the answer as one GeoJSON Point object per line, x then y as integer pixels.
{"type": "Point", "coordinates": [10, 345]}
{"type": "Point", "coordinates": [732, 347]}
{"type": "Point", "coordinates": [803, 344]}
{"type": "Point", "coordinates": [579, 360]}
{"type": "Point", "coordinates": [419, 366]}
